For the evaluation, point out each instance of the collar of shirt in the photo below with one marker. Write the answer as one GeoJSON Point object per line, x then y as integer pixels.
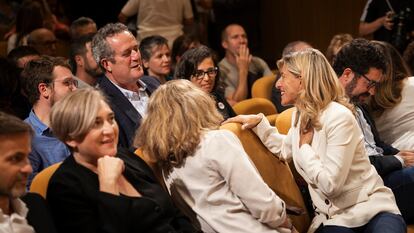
{"type": "Point", "coordinates": [20, 210]}
{"type": "Point", "coordinates": [132, 95]}
{"type": "Point", "coordinates": [38, 126]}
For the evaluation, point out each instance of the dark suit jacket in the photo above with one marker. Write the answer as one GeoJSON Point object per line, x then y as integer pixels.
{"type": "Point", "coordinates": [383, 164]}
{"type": "Point", "coordinates": [126, 115]}
{"type": "Point", "coordinates": [38, 216]}
{"type": "Point", "coordinates": [78, 206]}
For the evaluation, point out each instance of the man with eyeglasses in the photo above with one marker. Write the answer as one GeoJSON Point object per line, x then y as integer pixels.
{"type": "Point", "coordinates": [115, 50]}
{"type": "Point", "coordinates": [46, 80]}
{"type": "Point", "coordinates": [360, 67]}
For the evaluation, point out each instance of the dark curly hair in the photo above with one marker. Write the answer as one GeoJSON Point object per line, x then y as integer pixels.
{"type": "Point", "coordinates": [359, 55]}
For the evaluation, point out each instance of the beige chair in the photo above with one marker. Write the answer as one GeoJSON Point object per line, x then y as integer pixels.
{"type": "Point", "coordinates": [255, 106]}
{"type": "Point", "coordinates": [284, 120]}
{"type": "Point", "coordinates": [41, 180]}
{"type": "Point", "coordinates": [275, 173]}
{"type": "Point", "coordinates": [262, 88]}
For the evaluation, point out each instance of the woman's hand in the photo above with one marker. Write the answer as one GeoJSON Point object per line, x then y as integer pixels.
{"type": "Point", "coordinates": [109, 171]}
{"type": "Point", "coordinates": [306, 136]}
{"type": "Point", "coordinates": [247, 121]}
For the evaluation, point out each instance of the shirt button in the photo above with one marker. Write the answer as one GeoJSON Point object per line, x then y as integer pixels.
{"type": "Point", "coordinates": [327, 201]}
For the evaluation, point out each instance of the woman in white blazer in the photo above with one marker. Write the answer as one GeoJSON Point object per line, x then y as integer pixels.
{"type": "Point", "coordinates": [327, 148]}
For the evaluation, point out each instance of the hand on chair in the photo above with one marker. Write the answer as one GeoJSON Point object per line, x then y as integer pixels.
{"type": "Point", "coordinates": [247, 121]}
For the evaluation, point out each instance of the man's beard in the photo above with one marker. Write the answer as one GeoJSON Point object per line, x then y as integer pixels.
{"type": "Point", "coordinates": [18, 189]}
{"type": "Point", "coordinates": [93, 72]}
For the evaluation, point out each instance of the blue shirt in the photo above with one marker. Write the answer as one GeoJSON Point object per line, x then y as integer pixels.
{"type": "Point", "coordinates": [46, 149]}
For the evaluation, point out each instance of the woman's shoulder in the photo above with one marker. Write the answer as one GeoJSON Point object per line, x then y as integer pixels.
{"type": "Point", "coordinates": [336, 113]}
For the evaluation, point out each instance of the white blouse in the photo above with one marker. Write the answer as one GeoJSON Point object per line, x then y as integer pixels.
{"type": "Point", "coordinates": [224, 190]}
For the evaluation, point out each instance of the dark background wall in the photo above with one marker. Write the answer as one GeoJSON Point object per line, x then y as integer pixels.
{"type": "Point", "coordinates": [315, 21]}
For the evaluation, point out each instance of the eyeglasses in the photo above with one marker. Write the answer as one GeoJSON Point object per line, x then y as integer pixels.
{"type": "Point", "coordinates": [371, 83]}
{"type": "Point", "coordinates": [211, 73]}
{"type": "Point", "coordinates": [70, 82]}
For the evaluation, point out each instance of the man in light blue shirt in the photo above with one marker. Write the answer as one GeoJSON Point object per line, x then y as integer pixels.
{"type": "Point", "coordinates": [46, 81]}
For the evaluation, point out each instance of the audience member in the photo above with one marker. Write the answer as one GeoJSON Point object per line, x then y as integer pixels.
{"type": "Point", "coordinates": [200, 67]}
{"type": "Point", "coordinates": [84, 66]}
{"type": "Point", "coordinates": [291, 47]}
{"type": "Point", "coordinates": [190, 146]}
{"type": "Point", "coordinates": [19, 56]}
{"type": "Point", "coordinates": [43, 40]}
{"type": "Point", "coordinates": [9, 86]}
{"type": "Point", "coordinates": [181, 45]}
{"type": "Point", "coordinates": [409, 56]}
{"type": "Point", "coordinates": [391, 105]}
{"type": "Point", "coordinates": [224, 12]}
{"type": "Point", "coordinates": [115, 49]}
{"type": "Point", "coordinates": [327, 149]}
{"type": "Point", "coordinates": [19, 213]}
{"type": "Point", "coordinates": [46, 81]}
{"type": "Point", "coordinates": [360, 67]}
{"type": "Point", "coordinates": [22, 55]}
{"type": "Point", "coordinates": [388, 20]}
{"type": "Point", "coordinates": [98, 188]}
{"type": "Point", "coordinates": [28, 18]}
{"type": "Point", "coordinates": [336, 44]}
{"type": "Point", "coordinates": [239, 69]}
{"type": "Point", "coordinates": [81, 27]}
{"type": "Point", "coordinates": [156, 57]}
{"type": "Point", "coordinates": [164, 18]}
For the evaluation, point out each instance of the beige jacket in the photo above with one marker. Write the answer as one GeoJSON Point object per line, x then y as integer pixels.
{"type": "Point", "coordinates": [345, 189]}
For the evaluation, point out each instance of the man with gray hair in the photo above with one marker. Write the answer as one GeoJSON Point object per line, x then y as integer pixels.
{"type": "Point", "coordinates": [115, 50]}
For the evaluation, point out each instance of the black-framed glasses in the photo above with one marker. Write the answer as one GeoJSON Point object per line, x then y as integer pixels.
{"type": "Point", "coordinates": [371, 83]}
{"type": "Point", "coordinates": [211, 73]}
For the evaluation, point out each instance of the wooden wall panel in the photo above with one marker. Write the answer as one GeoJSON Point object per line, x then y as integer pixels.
{"type": "Point", "coordinates": [315, 21]}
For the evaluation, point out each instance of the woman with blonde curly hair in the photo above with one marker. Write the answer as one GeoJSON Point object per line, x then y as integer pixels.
{"type": "Point", "coordinates": [206, 169]}
{"type": "Point", "coordinates": [327, 148]}
{"type": "Point", "coordinates": [392, 105]}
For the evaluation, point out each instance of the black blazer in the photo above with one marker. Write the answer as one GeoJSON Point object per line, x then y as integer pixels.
{"type": "Point", "coordinates": [78, 206]}
{"type": "Point", "coordinates": [38, 216]}
{"type": "Point", "coordinates": [126, 115]}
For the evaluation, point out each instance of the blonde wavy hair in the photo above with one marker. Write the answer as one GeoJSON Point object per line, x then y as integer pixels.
{"type": "Point", "coordinates": [320, 85]}
{"type": "Point", "coordinates": [177, 115]}
{"type": "Point", "coordinates": [388, 93]}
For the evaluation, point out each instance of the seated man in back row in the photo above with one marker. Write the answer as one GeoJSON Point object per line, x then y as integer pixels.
{"type": "Point", "coordinates": [239, 69]}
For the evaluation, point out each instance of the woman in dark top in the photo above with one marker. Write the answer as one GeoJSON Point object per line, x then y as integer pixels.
{"type": "Point", "coordinates": [199, 66]}
{"type": "Point", "coordinates": [98, 188]}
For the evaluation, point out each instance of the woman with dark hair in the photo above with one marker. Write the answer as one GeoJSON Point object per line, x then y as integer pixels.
{"type": "Point", "coordinates": [200, 67]}
{"type": "Point", "coordinates": [156, 57]}
{"type": "Point", "coordinates": [393, 105]}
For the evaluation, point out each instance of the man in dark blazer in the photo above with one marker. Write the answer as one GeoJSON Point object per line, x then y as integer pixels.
{"type": "Point", "coordinates": [17, 213]}
{"type": "Point", "coordinates": [115, 49]}
{"type": "Point", "coordinates": [360, 67]}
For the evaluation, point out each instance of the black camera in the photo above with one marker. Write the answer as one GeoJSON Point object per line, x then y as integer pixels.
{"type": "Point", "coordinates": [402, 27]}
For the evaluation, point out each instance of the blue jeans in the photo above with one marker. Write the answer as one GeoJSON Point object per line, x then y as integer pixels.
{"type": "Point", "coordinates": [401, 182]}
{"type": "Point", "coordinates": [380, 223]}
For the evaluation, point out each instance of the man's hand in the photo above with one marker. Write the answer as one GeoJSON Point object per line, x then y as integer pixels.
{"type": "Point", "coordinates": [243, 59]}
